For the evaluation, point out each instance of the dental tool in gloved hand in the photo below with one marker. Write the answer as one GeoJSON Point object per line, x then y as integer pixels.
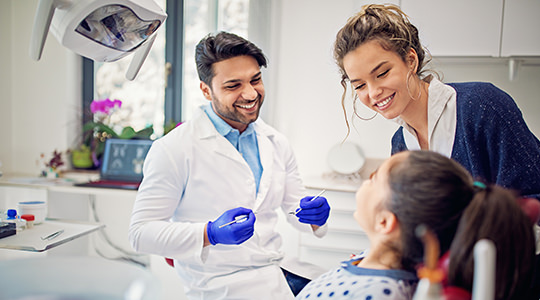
{"type": "Point", "coordinates": [300, 209]}
{"type": "Point", "coordinates": [313, 210]}
{"type": "Point", "coordinates": [237, 219]}
{"type": "Point", "coordinates": [227, 229]}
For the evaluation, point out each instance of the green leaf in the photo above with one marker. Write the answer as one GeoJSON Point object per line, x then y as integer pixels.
{"type": "Point", "coordinates": [127, 133]}
{"type": "Point", "coordinates": [145, 133]}
{"type": "Point", "coordinates": [168, 127]}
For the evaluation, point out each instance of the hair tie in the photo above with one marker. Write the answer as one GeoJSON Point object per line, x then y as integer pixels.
{"type": "Point", "coordinates": [479, 185]}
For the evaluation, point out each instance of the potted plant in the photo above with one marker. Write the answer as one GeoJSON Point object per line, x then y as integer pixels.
{"type": "Point", "coordinates": [81, 158]}
{"type": "Point", "coordinates": [96, 132]}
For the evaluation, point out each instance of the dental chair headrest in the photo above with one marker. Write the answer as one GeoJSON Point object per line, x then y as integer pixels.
{"type": "Point", "coordinates": [531, 207]}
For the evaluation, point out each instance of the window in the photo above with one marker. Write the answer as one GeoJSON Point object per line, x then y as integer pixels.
{"type": "Point", "coordinates": [167, 86]}
{"type": "Point", "coordinates": [202, 17]}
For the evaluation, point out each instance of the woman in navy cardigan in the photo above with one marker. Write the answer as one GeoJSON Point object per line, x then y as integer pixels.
{"type": "Point", "coordinates": [477, 124]}
{"type": "Point", "coordinates": [379, 54]}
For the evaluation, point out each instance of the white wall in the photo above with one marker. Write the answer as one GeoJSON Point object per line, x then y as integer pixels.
{"type": "Point", "coordinates": [40, 100]}
{"type": "Point", "coordinates": [5, 85]}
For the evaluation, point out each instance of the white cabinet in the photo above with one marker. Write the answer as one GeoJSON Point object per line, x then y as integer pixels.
{"type": "Point", "coordinates": [344, 237]}
{"type": "Point", "coordinates": [112, 208]}
{"type": "Point", "coordinates": [496, 28]}
{"type": "Point", "coordinates": [520, 36]}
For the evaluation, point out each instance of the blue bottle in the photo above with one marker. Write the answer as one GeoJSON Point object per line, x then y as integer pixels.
{"type": "Point", "coordinates": [12, 217]}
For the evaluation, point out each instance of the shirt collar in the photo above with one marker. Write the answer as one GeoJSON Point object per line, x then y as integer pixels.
{"type": "Point", "coordinates": [441, 112]}
{"type": "Point", "coordinates": [223, 127]}
{"type": "Point", "coordinates": [397, 274]}
{"type": "Point", "coordinates": [438, 97]}
{"type": "Point", "coordinates": [436, 102]}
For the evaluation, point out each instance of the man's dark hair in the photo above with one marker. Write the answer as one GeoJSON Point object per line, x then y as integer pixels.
{"type": "Point", "coordinates": [221, 46]}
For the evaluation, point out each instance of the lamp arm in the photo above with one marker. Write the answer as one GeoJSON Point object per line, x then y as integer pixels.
{"type": "Point", "coordinates": [42, 22]}
{"type": "Point", "coordinates": [44, 15]}
{"type": "Point", "coordinates": [139, 57]}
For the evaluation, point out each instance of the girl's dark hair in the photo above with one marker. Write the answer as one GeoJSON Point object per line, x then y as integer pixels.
{"type": "Point", "coordinates": [431, 189]}
{"type": "Point", "coordinates": [221, 46]}
{"type": "Point", "coordinates": [494, 214]}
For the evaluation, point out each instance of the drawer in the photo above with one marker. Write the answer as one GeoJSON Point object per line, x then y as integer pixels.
{"type": "Point", "coordinates": [336, 241]}
{"type": "Point", "coordinates": [343, 221]}
{"type": "Point", "coordinates": [344, 236]}
{"type": "Point", "coordinates": [338, 200]}
{"type": "Point", "coordinates": [326, 259]}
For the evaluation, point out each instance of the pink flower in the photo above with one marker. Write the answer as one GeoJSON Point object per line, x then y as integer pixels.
{"type": "Point", "coordinates": [104, 106]}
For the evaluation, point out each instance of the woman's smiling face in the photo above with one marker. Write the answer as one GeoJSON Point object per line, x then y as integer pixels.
{"type": "Point", "coordinates": [379, 78]}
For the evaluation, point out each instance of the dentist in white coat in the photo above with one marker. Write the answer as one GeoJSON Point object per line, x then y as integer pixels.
{"type": "Point", "coordinates": [222, 165]}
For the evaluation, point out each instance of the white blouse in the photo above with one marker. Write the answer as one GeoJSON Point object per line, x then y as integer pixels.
{"type": "Point", "coordinates": [442, 120]}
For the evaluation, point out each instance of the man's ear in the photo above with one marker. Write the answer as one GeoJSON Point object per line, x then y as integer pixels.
{"type": "Point", "coordinates": [386, 222]}
{"type": "Point", "coordinates": [207, 92]}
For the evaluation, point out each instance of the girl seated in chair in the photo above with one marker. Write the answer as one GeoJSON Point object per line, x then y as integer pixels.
{"type": "Point", "coordinates": [423, 187]}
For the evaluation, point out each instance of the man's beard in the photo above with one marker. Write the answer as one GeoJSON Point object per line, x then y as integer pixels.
{"type": "Point", "coordinates": [234, 114]}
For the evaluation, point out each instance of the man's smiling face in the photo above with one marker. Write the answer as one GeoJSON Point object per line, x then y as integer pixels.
{"type": "Point", "coordinates": [237, 91]}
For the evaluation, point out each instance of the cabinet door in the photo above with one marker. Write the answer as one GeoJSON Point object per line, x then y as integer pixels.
{"type": "Point", "coordinates": [457, 27]}
{"type": "Point", "coordinates": [520, 36]}
{"type": "Point", "coordinates": [344, 236]}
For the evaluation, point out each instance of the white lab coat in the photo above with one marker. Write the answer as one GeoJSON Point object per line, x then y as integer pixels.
{"type": "Point", "coordinates": [191, 176]}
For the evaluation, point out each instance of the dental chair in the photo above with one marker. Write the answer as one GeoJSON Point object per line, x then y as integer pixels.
{"type": "Point", "coordinates": [169, 261]}
{"type": "Point", "coordinates": [433, 273]}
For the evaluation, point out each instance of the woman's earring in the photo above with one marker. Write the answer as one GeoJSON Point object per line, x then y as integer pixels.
{"type": "Point", "coordinates": [409, 75]}
{"type": "Point", "coordinates": [355, 111]}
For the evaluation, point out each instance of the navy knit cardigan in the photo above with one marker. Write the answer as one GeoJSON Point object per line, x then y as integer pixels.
{"type": "Point", "coordinates": [492, 140]}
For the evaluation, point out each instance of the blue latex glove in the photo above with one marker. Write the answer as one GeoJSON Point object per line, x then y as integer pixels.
{"type": "Point", "coordinates": [314, 212]}
{"type": "Point", "coordinates": [232, 234]}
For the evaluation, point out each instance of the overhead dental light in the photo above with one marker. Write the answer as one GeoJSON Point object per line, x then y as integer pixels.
{"type": "Point", "coordinates": [102, 30]}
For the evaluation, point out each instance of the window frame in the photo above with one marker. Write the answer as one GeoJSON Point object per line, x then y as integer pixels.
{"type": "Point", "coordinates": [174, 55]}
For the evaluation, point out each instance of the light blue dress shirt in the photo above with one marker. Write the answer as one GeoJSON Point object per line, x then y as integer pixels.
{"type": "Point", "coordinates": [245, 143]}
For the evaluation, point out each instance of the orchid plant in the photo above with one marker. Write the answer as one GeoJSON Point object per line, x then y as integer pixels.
{"type": "Point", "coordinates": [101, 128]}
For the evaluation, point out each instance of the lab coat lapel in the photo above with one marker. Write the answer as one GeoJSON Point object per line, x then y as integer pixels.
{"type": "Point", "coordinates": [208, 134]}
{"type": "Point", "coordinates": [266, 153]}
{"type": "Point", "coordinates": [221, 146]}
